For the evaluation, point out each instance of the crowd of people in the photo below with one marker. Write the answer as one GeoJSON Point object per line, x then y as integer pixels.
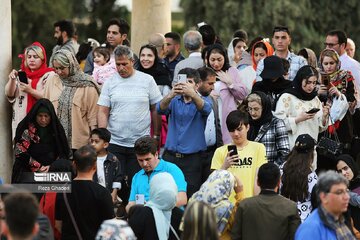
{"type": "Point", "coordinates": [222, 144]}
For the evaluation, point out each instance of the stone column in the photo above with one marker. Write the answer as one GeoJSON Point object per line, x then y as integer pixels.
{"type": "Point", "coordinates": [6, 159]}
{"type": "Point", "coordinates": [147, 17]}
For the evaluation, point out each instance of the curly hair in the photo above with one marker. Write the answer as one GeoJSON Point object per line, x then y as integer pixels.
{"type": "Point", "coordinates": [295, 175]}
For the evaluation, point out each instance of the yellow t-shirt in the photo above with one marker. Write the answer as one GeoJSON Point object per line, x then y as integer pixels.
{"type": "Point", "coordinates": [251, 157]}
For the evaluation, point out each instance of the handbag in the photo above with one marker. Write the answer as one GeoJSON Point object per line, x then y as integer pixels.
{"type": "Point", "coordinates": [329, 147]}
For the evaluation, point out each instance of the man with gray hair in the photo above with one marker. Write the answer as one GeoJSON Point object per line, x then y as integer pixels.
{"type": "Point", "coordinates": [192, 43]}
{"type": "Point", "coordinates": [327, 221]}
{"type": "Point", "coordinates": [125, 103]}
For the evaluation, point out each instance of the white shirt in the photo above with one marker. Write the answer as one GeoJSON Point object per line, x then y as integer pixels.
{"type": "Point", "coordinates": [100, 172]}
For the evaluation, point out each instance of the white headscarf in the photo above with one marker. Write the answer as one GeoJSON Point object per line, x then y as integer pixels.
{"type": "Point", "coordinates": [162, 200]}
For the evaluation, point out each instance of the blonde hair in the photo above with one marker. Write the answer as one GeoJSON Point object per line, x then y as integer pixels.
{"type": "Point", "coordinates": [199, 222]}
{"type": "Point", "coordinates": [62, 59]}
{"type": "Point", "coordinates": [37, 50]}
{"type": "Point", "coordinates": [253, 97]}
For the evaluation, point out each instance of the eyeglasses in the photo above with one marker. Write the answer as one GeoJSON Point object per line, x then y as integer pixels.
{"type": "Point", "coordinates": [249, 109]}
{"type": "Point", "coordinates": [341, 192]}
{"type": "Point", "coordinates": [330, 45]}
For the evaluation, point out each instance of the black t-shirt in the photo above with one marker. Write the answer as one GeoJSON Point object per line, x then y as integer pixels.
{"type": "Point", "coordinates": [90, 203]}
{"type": "Point", "coordinates": [142, 222]}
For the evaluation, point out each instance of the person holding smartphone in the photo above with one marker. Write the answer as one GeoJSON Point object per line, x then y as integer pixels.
{"type": "Point", "coordinates": [295, 107]}
{"type": "Point", "coordinates": [242, 157]}
{"type": "Point", "coordinates": [340, 86]}
{"type": "Point", "coordinates": [25, 86]}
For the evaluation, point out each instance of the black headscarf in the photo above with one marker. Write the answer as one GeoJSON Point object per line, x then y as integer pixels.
{"type": "Point", "coordinates": [355, 182]}
{"type": "Point", "coordinates": [55, 126]}
{"type": "Point", "coordinates": [304, 72]}
{"type": "Point", "coordinates": [158, 71]}
{"type": "Point", "coordinates": [266, 116]}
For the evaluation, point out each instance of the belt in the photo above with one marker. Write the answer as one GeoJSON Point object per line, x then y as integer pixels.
{"type": "Point", "coordinates": [179, 155]}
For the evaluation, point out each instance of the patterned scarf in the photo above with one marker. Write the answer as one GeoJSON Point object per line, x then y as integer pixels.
{"type": "Point", "coordinates": [341, 229]}
{"type": "Point", "coordinates": [76, 79]}
{"type": "Point", "coordinates": [215, 191]}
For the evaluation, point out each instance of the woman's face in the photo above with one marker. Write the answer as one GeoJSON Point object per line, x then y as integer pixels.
{"type": "Point", "coordinates": [259, 53]}
{"type": "Point", "coordinates": [216, 61]}
{"type": "Point", "coordinates": [62, 71]}
{"type": "Point", "coordinates": [43, 119]}
{"type": "Point", "coordinates": [239, 48]}
{"type": "Point", "coordinates": [99, 59]}
{"type": "Point", "coordinates": [147, 58]}
{"type": "Point", "coordinates": [345, 170]}
{"type": "Point", "coordinates": [308, 85]}
{"type": "Point", "coordinates": [329, 65]}
{"type": "Point", "coordinates": [255, 110]}
{"type": "Point", "coordinates": [33, 61]}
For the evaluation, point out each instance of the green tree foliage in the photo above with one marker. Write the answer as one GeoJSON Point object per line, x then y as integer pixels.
{"type": "Point", "coordinates": [308, 20]}
{"type": "Point", "coordinates": [33, 21]}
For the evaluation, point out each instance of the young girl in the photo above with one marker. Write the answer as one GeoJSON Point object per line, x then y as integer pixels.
{"type": "Point", "coordinates": [104, 65]}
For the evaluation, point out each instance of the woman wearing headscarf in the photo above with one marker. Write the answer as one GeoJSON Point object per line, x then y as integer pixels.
{"type": "Point", "coordinates": [24, 95]}
{"type": "Point", "coordinates": [260, 50]}
{"type": "Point", "coordinates": [74, 97]}
{"type": "Point", "coordinates": [40, 140]}
{"type": "Point", "coordinates": [150, 64]}
{"type": "Point", "coordinates": [216, 191]}
{"type": "Point", "coordinates": [115, 229]}
{"type": "Point", "coordinates": [267, 129]}
{"type": "Point", "coordinates": [346, 166]}
{"type": "Point", "coordinates": [309, 55]}
{"type": "Point", "coordinates": [295, 103]}
{"type": "Point", "coordinates": [229, 90]}
{"type": "Point", "coordinates": [158, 218]}
{"type": "Point", "coordinates": [340, 84]}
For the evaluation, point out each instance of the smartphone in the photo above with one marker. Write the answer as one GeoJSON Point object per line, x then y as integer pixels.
{"type": "Point", "coordinates": [22, 77]}
{"type": "Point", "coordinates": [182, 78]}
{"type": "Point", "coordinates": [325, 79]}
{"type": "Point", "coordinates": [313, 110]}
{"type": "Point", "coordinates": [234, 150]}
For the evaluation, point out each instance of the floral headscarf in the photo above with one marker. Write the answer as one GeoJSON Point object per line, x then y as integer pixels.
{"type": "Point", "coordinates": [216, 191]}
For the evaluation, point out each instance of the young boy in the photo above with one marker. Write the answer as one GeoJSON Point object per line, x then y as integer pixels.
{"type": "Point", "coordinates": [245, 161]}
{"type": "Point", "coordinates": [108, 170]}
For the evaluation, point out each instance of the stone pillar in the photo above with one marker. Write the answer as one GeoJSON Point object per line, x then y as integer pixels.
{"type": "Point", "coordinates": [6, 159]}
{"type": "Point", "coordinates": [147, 17]}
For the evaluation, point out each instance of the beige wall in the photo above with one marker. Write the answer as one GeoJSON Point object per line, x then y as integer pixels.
{"type": "Point", "coordinates": [6, 159]}
{"type": "Point", "coordinates": [147, 17]}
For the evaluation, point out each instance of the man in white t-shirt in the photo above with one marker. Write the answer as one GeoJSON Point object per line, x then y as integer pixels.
{"type": "Point", "coordinates": [126, 102]}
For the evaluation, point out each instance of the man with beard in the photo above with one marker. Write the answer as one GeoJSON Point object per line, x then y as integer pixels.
{"type": "Point", "coordinates": [213, 136]}
{"type": "Point", "coordinates": [63, 33]}
{"type": "Point", "coordinates": [117, 31]}
{"type": "Point", "coordinates": [173, 54]}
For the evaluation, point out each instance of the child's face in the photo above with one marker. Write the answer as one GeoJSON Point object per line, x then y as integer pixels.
{"type": "Point", "coordinates": [99, 144]}
{"type": "Point", "coordinates": [99, 59]}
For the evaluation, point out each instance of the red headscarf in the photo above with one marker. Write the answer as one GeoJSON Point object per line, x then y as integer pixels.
{"type": "Point", "coordinates": [34, 75]}
{"type": "Point", "coordinates": [269, 51]}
